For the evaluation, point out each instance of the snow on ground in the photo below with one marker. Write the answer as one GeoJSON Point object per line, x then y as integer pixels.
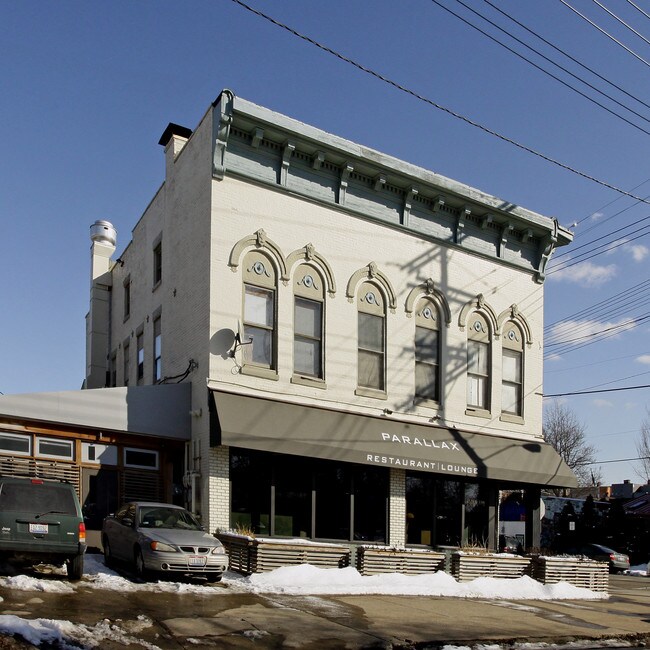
{"type": "Point", "coordinates": [303, 580]}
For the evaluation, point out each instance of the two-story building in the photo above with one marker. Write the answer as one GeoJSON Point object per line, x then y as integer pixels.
{"type": "Point", "coordinates": [353, 343]}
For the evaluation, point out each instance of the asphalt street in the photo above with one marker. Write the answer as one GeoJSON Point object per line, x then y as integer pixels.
{"type": "Point", "coordinates": [223, 618]}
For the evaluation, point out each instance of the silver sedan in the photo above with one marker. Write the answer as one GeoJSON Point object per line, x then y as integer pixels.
{"type": "Point", "coordinates": [162, 538]}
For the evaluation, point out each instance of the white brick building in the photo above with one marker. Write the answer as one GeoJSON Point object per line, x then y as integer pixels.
{"type": "Point", "coordinates": [363, 338]}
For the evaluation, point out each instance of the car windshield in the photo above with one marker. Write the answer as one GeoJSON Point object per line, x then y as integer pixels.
{"type": "Point", "coordinates": [161, 517]}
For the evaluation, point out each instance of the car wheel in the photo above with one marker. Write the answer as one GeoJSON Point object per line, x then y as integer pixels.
{"type": "Point", "coordinates": [75, 567]}
{"type": "Point", "coordinates": [140, 568]}
{"type": "Point", "coordinates": [108, 556]}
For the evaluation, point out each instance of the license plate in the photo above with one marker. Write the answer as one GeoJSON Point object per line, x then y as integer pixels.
{"type": "Point", "coordinates": [196, 560]}
{"type": "Point", "coordinates": [38, 529]}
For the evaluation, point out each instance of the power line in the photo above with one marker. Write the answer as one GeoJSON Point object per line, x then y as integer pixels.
{"type": "Point", "coordinates": [546, 72]}
{"type": "Point", "coordinates": [618, 460]}
{"type": "Point", "coordinates": [430, 102]}
{"type": "Point", "coordinates": [595, 363]}
{"type": "Point", "coordinates": [600, 29]}
{"type": "Point", "coordinates": [638, 8]}
{"type": "Point", "coordinates": [592, 392]}
{"type": "Point", "coordinates": [621, 21]}
{"type": "Point", "coordinates": [627, 325]}
{"type": "Point", "coordinates": [566, 54]}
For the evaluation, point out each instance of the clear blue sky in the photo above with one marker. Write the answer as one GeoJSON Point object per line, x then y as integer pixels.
{"type": "Point", "coordinates": [86, 90]}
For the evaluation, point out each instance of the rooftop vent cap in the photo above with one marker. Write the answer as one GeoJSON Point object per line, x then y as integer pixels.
{"type": "Point", "coordinates": [103, 232]}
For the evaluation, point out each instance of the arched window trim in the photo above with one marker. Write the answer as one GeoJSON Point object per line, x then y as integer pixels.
{"type": "Point", "coordinates": [517, 347]}
{"type": "Point", "coordinates": [259, 241]}
{"type": "Point", "coordinates": [308, 254]}
{"type": "Point", "coordinates": [513, 314]}
{"type": "Point", "coordinates": [428, 290]}
{"type": "Point", "coordinates": [422, 362]}
{"type": "Point", "coordinates": [374, 275]}
{"type": "Point", "coordinates": [479, 305]}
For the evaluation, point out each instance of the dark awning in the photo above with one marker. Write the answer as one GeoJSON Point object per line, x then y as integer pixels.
{"type": "Point", "coordinates": [286, 428]}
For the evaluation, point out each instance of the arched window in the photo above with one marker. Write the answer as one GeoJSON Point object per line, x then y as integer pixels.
{"type": "Point", "coordinates": [371, 309]}
{"type": "Point", "coordinates": [308, 319]}
{"type": "Point", "coordinates": [512, 381]}
{"type": "Point", "coordinates": [427, 351]}
{"type": "Point", "coordinates": [478, 363]}
{"type": "Point", "coordinates": [260, 281]}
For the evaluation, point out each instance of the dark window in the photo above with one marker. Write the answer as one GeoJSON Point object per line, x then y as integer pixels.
{"type": "Point", "coordinates": [308, 497]}
{"type": "Point", "coordinates": [140, 344]}
{"type": "Point", "coordinates": [36, 497]}
{"type": "Point", "coordinates": [15, 443]}
{"type": "Point", "coordinates": [127, 298]}
{"type": "Point", "coordinates": [126, 364]}
{"type": "Point", "coordinates": [157, 263]}
{"type": "Point", "coordinates": [157, 350]}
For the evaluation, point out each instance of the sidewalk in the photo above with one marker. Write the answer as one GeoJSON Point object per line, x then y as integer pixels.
{"type": "Point", "coordinates": [225, 618]}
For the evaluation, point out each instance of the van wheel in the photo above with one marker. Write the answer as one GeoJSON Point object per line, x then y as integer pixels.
{"type": "Point", "coordinates": [75, 567]}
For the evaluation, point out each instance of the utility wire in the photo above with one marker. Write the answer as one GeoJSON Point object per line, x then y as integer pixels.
{"type": "Point", "coordinates": [430, 102]}
{"type": "Point", "coordinates": [538, 67]}
{"type": "Point", "coordinates": [618, 460]}
{"type": "Point", "coordinates": [592, 392]}
{"type": "Point", "coordinates": [638, 8]}
{"type": "Point", "coordinates": [600, 29]}
{"type": "Point", "coordinates": [620, 20]}
{"type": "Point", "coordinates": [606, 301]}
{"type": "Point", "coordinates": [599, 250]}
{"type": "Point", "coordinates": [566, 54]}
{"type": "Point", "coordinates": [625, 325]}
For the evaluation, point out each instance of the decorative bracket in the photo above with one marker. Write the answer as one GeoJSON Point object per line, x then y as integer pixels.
{"type": "Point", "coordinates": [411, 193]}
{"type": "Point", "coordinates": [317, 160]}
{"type": "Point", "coordinates": [463, 213]}
{"type": "Point", "coordinates": [287, 152]}
{"type": "Point", "coordinates": [346, 170]}
{"type": "Point", "coordinates": [256, 137]}
{"type": "Point", "coordinates": [505, 233]}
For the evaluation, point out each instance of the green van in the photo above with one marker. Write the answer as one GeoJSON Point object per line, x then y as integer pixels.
{"type": "Point", "coordinates": [41, 523]}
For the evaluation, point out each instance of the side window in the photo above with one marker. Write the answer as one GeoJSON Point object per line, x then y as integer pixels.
{"type": "Point", "coordinates": [308, 322]}
{"type": "Point", "coordinates": [512, 371]}
{"type": "Point", "coordinates": [478, 363]}
{"type": "Point", "coordinates": [371, 342]}
{"type": "Point", "coordinates": [157, 349]}
{"type": "Point", "coordinates": [427, 351]}
{"type": "Point", "coordinates": [126, 351]}
{"type": "Point", "coordinates": [127, 297]}
{"type": "Point", "coordinates": [157, 262]}
{"type": "Point", "coordinates": [260, 312]}
{"type": "Point", "coordinates": [140, 359]}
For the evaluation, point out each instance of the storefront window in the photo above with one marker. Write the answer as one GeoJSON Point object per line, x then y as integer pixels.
{"type": "Point", "coordinates": [332, 484]}
{"type": "Point", "coordinates": [370, 503]}
{"type": "Point", "coordinates": [250, 478]}
{"type": "Point", "coordinates": [293, 488]}
{"type": "Point", "coordinates": [434, 510]}
{"type": "Point", "coordinates": [308, 497]}
{"type": "Point", "coordinates": [476, 515]}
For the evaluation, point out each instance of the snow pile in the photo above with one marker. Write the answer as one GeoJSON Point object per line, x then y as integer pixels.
{"type": "Point", "coordinates": [306, 579]}
{"type": "Point", "coordinates": [67, 635]}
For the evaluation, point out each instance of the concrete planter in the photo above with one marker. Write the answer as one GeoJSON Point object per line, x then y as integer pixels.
{"type": "Point", "coordinates": [469, 566]}
{"type": "Point", "coordinates": [256, 555]}
{"type": "Point", "coordinates": [580, 572]}
{"type": "Point", "coordinates": [373, 560]}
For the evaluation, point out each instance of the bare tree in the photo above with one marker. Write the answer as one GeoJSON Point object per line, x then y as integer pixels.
{"type": "Point", "coordinates": [642, 470]}
{"type": "Point", "coordinates": [566, 434]}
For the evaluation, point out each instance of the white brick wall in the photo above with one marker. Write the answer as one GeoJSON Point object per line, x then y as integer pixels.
{"type": "Point", "coordinates": [219, 489]}
{"type": "Point", "coordinates": [397, 507]}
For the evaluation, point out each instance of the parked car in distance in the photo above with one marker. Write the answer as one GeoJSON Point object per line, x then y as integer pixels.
{"type": "Point", "coordinates": [162, 538]}
{"type": "Point", "coordinates": [509, 544]}
{"type": "Point", "coordinates": [41, 523]}
{"type": "Point", "coordinates": [618, 562]}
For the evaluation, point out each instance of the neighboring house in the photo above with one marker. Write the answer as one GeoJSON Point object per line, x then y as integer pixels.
{"type": "Point", "coordinates": [362, 337]}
